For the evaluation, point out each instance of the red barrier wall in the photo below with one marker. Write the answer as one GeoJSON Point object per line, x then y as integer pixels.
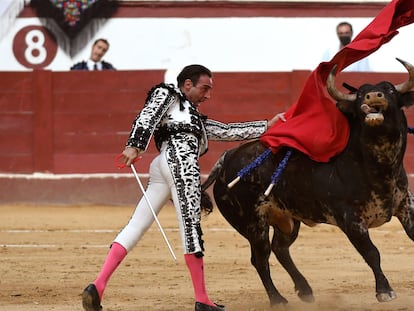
{"type": "Point", "coordinates": [77, 122]}
{"type": "Point", "coordinates": [68, 122]}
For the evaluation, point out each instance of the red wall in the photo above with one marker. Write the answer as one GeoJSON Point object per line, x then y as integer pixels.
{"type": "Point", "coordinates": [234, 8]}
{"type": "Point", "coordinates": [68, 122]}
{"type": "Point", "coordinates": [77, 122]}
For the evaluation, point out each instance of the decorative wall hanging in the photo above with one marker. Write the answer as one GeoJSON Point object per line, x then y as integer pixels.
{"type": "Point", "coordinates": [78, 19]}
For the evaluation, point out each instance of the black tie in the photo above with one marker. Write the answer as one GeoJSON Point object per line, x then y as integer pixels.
{"type": "Point", "coordinates": [95, 67]}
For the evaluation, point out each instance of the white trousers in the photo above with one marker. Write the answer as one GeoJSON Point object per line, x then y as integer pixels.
{"type": "Point", "coordinates": [161, 188]}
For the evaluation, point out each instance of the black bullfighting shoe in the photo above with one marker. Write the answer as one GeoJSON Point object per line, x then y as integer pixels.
{"type": "Point", "coordinates": [203, 307]}
{"type": "Point", "coordinates": [90, 299]}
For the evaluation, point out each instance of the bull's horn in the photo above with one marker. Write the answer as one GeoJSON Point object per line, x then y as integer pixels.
{"type": "Point", "coordinates": [334, 92]}
{"type": "Point", "coordinates": [407, 85]}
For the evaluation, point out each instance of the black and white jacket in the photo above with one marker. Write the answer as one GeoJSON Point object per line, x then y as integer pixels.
{"type": "Point", "coordinates": [167, 112]}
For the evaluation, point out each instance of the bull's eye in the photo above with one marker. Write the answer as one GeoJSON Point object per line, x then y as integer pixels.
{"type": "Point", "coordinates": [389, 90]}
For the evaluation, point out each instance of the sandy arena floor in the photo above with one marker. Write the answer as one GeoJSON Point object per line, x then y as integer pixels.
{"type": "Point", "coordinates": [49, 254]}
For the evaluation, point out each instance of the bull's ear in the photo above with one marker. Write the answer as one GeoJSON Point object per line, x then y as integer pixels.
{"type": "Point", "coordinates": [346, 107]}
{"type": "Point", "coordinates": [407, 99]}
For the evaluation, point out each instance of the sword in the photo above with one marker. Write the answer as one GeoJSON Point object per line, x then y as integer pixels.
{"type": "Point", "coordinates": [152, 210]}
{"type": "Point", "coordinates": [149, 205]}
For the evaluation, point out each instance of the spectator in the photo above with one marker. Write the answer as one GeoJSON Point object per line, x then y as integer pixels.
{"type": "Point", "coordinates": [95, 62]}
{"type": "Point", "coordinates": [345, 33]}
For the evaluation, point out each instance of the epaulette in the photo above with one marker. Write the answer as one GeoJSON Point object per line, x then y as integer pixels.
{"type": "Point", "coordinates": [171, 89]}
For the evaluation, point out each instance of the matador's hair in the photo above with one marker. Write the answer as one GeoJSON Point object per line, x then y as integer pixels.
{"type": "Point", "coordinates": [192, 72]}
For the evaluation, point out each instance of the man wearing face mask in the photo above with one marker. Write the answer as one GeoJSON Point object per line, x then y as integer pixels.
{"type": "Point", "coordinates": [344, 32]}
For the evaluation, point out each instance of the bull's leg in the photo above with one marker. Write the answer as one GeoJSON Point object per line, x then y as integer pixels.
{"type": "Point", "coordinates": [405, 215]}
{"type": "Point", "coordinates": [260, 253]}
{"type": "Point", "coordinates": [359, 237]}
{"type": "Point", "coordinates": [241, 212]}
{"type": "Point", "coordinates": [280, 246]}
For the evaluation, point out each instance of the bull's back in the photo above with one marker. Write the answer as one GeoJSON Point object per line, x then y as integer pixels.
{"type": "Point", "coordinates": [306, 190]}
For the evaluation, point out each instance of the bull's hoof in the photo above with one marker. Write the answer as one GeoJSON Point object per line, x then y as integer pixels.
{"type": "Point", "coordinates": [305, 294]}
{"type": "Point", "coordinates": [307, 298]}
{"type": "Point", "coordinates": [385, 297]}
{"type": "Point", "coordinates": [278, 301]}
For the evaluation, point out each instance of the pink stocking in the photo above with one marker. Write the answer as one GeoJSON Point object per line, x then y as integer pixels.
{"type": "Point", "coordinates": [116, 254]}
{"type": "Point", "coordinates": [196, 267]}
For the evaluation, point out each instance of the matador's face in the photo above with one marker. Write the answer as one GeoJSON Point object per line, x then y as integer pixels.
{"type": "Point", "coordinates": [201, 91]}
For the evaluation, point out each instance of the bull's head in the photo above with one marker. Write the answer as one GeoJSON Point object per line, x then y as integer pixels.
{"type": "Point", "coordinates": [374, 102]}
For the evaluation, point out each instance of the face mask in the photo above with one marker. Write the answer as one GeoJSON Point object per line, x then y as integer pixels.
{"type": "Point", "coordinates": [345, 40]}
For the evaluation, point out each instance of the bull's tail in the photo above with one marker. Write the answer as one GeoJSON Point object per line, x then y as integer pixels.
{"type": "Point", "coordinates": [206, 202]}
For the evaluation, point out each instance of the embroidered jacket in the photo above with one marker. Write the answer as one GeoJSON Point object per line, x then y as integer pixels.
{"type": "Point", "coordinates": [167, 111]}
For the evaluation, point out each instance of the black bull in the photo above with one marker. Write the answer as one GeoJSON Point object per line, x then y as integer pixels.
{"type": "Point", "coordinates": [361, 188]}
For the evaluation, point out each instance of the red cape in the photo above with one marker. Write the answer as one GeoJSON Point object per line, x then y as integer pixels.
{"type": "Point", "coordinates": [314, 125]}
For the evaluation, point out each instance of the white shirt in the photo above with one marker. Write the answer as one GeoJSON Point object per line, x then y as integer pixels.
{"type": "Point", "coordinates": [91, 65]}
{"type": "Point", "coordinates": [361, 65]}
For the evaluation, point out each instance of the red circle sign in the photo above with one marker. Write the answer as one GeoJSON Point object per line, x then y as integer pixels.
{"type": "Point", "coordinates": [34, 47]}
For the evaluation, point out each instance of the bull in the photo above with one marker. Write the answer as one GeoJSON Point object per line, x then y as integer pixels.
{"type": "Point", "coordinates": [361, 188]}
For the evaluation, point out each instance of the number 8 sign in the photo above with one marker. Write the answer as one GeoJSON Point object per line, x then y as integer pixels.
{"type": "Point", "coordinates": [34, 47]}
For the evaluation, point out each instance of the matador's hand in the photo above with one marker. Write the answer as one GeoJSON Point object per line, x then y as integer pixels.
{"type": "Point", "coordinates": [279, 116]}
{"type": "Point", "coordinates": [129, 155]}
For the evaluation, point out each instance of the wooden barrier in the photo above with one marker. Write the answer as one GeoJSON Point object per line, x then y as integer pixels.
{"type": "Point", "coordinates": [77, 122]}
